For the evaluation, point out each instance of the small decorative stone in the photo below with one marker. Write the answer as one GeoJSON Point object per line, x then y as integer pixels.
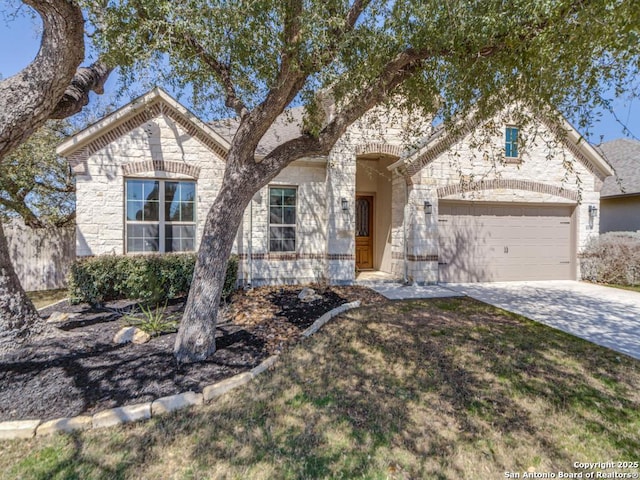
{"type": "Point", "coordinates": [59, 317]}
{"type": "Point", "coordinates": [140, 336]}
{"type": "Point", "coordinates": [308, 295]}
{"type": "Point", "coordinates": [129, 335]}
{"type": "Point", "coordinates": [306, 292]}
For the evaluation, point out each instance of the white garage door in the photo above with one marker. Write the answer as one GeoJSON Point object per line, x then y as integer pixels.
{"type": "Point", "coordinates": [493, 242]}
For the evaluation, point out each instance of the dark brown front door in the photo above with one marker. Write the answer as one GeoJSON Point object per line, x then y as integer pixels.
{"type": "Point", "coordinates": [364, 231]}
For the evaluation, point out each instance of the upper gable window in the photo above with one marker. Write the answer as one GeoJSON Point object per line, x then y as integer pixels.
{"type": "Point", "coordinates": [511, 142]}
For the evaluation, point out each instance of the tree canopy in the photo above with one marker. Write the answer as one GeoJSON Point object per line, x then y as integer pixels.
{"type": "Point", "coordinates": [35, 183]}
{"type": "Point", "coordinates": [340, 58]}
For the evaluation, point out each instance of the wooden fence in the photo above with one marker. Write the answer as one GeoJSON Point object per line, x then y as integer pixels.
{"type": "Point", "coordinates": [41, 257]}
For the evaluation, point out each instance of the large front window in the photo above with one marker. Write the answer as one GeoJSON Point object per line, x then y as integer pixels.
{"type": "Point", "coordinates": [160, 216]}
{"type": "Point", "coordinates": [282, 219]}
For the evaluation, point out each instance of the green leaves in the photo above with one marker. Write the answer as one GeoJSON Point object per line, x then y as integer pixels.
{"type": "Point", "coordinates": [35, 183]}
{"type": "Point", "coordinates": [472, 54]}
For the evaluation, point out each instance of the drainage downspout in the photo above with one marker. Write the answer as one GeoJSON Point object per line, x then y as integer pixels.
{"type": "Point", "coordinates": [404, 232]}
{"type": "Point", "coordinates": [250, 245]}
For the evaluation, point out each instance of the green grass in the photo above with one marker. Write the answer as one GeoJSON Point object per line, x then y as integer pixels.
{"type": "Point", "coordinates": [634, 288]}
{"type": "Point", "coordinates": [426, 389]}
{"type": "Point", "coordinates": [42, 298]}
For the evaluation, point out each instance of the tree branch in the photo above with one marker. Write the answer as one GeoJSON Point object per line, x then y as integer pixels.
{"type": "Point", "coordinates": [223, 72]}
{"type": "Point", "coordinates": [28, 98]}
{"type": "Point", "coordinates": [76, 96]}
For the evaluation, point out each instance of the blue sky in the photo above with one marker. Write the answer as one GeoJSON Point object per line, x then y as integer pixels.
{"type": "Point", "coordinates": [19, 41]}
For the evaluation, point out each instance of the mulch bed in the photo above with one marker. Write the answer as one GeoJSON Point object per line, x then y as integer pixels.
{"type": "Point", "coordinates": [79, 370]}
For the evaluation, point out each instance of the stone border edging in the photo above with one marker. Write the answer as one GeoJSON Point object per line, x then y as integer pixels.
{"type": "Point", "coordinates": [52, 304]}
{"type": "Point", "coordinates": [16, 429]}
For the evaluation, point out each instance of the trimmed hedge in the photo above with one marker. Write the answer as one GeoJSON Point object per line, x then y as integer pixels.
{"type": "Point", "coordinates": [612, 258]}
{"type": "Point", "coordinates": [149, 278]}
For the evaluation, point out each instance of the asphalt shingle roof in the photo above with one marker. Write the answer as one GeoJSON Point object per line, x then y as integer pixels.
{"type": "Point", "coordinates": [286, 127]}
{"type": "Point", "coordinates": [623, 155]}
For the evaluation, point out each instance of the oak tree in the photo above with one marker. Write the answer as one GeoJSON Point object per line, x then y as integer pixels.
{"type": "Point", "coordinates": [52, 86]}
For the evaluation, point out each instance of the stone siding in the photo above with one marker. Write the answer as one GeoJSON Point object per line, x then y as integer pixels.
{"type": "Point", "coordinates": [158, 143]}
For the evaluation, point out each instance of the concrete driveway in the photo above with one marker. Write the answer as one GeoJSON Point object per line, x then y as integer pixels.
{"type": "Point", "coordinates": [607, 316]}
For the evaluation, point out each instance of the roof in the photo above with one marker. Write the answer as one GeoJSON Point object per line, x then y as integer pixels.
{"type": "Point", "coordinates": [623, 155]}
{"type": "Point", "coordinates": [286, 127]}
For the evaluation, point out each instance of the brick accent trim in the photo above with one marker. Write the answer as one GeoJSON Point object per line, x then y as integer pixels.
{"type": "Point", "coordinates": [161, 165]}
{"type": "Point", "coordinates": [341, 256]}
{"type": "Point", "coordinates": [282, 256]}
{"type": "Point", "coordinates": [422, 258]}
{"type": "Point", "coordinates": [384, 148]}
{"type": "Point", "coordinates": [78, 159]}
{"type": "Point", "coordinates": [500, 183]}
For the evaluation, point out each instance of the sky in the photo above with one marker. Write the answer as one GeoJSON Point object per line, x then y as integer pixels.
{"type": "Point", "coordinates": [20, 39]}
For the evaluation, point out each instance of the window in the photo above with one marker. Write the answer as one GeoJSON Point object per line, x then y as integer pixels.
{"type": "Point", "coordinates": [282, 219]}
{"type": "Point", "coordinates": [160, 216]}
{"type": "Point", "coordinates": [511, 142]}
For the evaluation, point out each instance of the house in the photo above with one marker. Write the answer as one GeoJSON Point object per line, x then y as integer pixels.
{"type": "Point", "coordinates": [620, 195]}
{"type": "Point", "coordinates": [455, 207]}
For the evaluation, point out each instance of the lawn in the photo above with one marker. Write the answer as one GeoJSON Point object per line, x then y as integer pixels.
{"type": "Point", "coordinates": [42, 298]}
{"type": "Point", "coordinates": [443, 389]}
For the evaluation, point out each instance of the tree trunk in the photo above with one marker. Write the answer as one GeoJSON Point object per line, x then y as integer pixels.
{"type": "Point", "coordinates": [196, 337]}
{"type": "Point", "coordinates": [18, 317]}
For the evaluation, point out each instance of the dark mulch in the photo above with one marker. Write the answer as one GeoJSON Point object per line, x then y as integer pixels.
{"type": "Point", "coordinates": [80, 370]}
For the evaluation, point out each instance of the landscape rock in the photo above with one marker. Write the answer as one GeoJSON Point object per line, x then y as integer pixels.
{"type": "Point", "coordinates": [130, 335]}
{"type": "Point", "coordinates": [267, 364]}
{"type": "Point", "coordinates": [175, 402]}
{"type": "Point", "coordinates": [308, 295]}
{"type": "Point", "coordinates": [116, 416]}
{"type": "Point", "coordinates": [212, 391]}
{"type": "Point", "coordinates": [18, 429]}
{"type": "Point", "coordinates": [59, 317]}
{"type": "Point", "coordinates": [64, 425]}
{"type": "Point", "coordinates": [140, 336]}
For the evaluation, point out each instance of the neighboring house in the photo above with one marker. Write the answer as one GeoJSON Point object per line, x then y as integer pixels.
{"type": "Point", "coordinates": [449, 210]}
{"type": "Point", "coordinates": [620, 195]}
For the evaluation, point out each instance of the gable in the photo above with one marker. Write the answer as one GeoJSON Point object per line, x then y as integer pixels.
{"type": "Point", "coordinates": [443, 141]}
{"type": "Point", "coordinates": [78, 148]}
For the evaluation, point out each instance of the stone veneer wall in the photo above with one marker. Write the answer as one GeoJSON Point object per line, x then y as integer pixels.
{"type": "Point", "coordinates": [308, 263]}
{"type": "Point", "coordinates": [545, 174]}
{"type": "Point", "coordinates": [100, 188]}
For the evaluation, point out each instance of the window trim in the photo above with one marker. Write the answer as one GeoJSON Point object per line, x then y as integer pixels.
{"type": "Point", "coordinates": [516, 157]}
{"type": "Point", "coordinates": [282, 252]}
{"type": "Point", "coordinates": [161, 222]}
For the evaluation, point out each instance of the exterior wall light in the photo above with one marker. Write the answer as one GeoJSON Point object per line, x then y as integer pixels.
{"type": "Point", "coordinates": [593, 211]}
{"type": "Point", "coordinates": [428, 208]}
{"type": "Point", "coordinates": [345, 205]}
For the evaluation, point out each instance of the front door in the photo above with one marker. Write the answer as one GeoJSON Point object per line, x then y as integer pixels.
{"type": "Point", "coordinates": [364, 232]}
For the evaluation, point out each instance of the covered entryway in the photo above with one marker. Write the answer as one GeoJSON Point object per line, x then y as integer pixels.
{"type": "Point", "coordinates": [484, 242]}
{"type": "Point", "coordinates": [372, 213]}
{"type": "Point", "coordinates": [364, 232]}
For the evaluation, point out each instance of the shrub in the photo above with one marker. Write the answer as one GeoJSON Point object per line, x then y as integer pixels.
{"type": "Point", "coordinates": [612, 258]}
{"type": "Point", "coordinates": [153, 321]}
{"type": "Point", "coordinates": [148, 278]}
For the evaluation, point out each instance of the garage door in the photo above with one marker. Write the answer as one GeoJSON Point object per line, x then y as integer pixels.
{"type": "Point", "coordinates": [493, 242]}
